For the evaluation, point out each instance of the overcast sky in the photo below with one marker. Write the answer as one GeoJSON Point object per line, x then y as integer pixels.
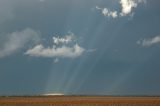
{"type": "Point", "coordinates": [80, 47]}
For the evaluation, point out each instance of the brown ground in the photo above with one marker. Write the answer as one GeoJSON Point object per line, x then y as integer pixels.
{"type": "Point", "coordinates": [79, 101]}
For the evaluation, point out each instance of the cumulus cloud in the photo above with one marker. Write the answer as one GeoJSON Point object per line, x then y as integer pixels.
{"type": "Point", "coordinates": [108, 13]}
{"type": "Point", "coordinates": [149, 42]}
{"type": "Point", "coordinates": [64, 50]}
{"type": "Point", "coordinates": [67, 39]}
{"type": "Point", "coordinates": [17, 40]}
{"type": "Point", "coordinates": [127, 7]}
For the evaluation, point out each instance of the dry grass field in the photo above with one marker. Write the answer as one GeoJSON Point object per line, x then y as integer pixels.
{"type": "Point", "coordinates": [79, 101]}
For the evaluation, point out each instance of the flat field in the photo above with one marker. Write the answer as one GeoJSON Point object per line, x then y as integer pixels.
{"type": "Point", "coordinates": [79, 101]}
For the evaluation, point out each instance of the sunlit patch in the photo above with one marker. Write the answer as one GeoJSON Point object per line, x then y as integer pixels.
{"type": "Point", "coordinates": [53, 94]}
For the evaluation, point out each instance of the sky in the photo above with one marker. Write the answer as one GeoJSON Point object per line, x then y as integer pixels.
{"type": "Point", "coordinates": [79, 47]}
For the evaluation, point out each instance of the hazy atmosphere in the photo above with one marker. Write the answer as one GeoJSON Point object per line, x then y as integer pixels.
{"type": "Point", "coordinates": [80, 47]}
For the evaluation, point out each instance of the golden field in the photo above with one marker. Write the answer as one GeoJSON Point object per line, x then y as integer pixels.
{"type": "Point", "coordinates": [79, 101]}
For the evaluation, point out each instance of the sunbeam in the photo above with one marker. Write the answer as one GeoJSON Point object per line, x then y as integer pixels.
{"type": "Point", "coordinates": [79, 47]}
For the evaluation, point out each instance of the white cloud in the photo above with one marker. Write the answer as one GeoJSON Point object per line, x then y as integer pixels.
{"type": "Point", "coordinates": [60, 48]}
{"type": "Point", "coordinates": [64, 51]}
{"type": "Point", "coordinates": [63, 40]}
{"type": "Point", "coordinates": [149, 42]}
{"type": "Point", "coordinates": [127, 7]}
{"type": "Point", "coordinates": [106, 12]}
{"type": "Point", "coordinates": [17, 40]}
{"type": "Point", "coordinates": [109, 13]}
